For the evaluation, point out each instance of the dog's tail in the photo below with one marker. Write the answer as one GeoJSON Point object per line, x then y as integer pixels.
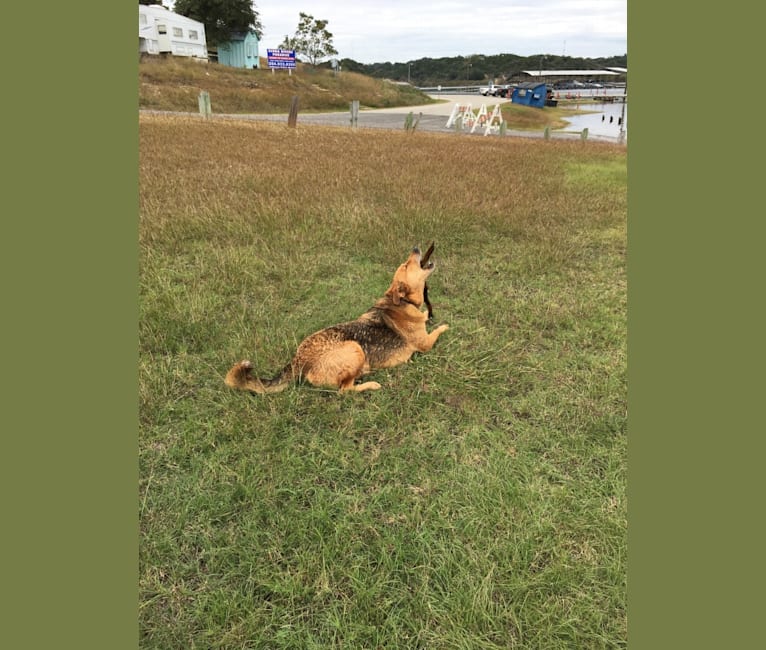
{"type": "Point", "coordinates": [240, 377]}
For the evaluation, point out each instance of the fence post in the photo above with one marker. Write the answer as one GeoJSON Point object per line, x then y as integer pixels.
{"type": "Point", "coordinates": [354, 112]}
{"type": "Point", "coordinates": [293, 117]}
{"type": "Point", "coordinates": [547, 133]}
{"type": "Point", "coordinates": [204, 104]}
{"type": "Point", "coordinates": [584, 134]}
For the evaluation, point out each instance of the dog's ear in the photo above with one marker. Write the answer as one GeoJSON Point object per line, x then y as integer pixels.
{"type": "Point", "coordinates": [398, 291]}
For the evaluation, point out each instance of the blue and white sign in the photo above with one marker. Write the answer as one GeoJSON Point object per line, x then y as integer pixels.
{"type": "Point", "coordinates": [281, 59]}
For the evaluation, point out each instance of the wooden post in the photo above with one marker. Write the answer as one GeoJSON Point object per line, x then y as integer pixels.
{"type": "Point", "coordinates": [621, 136]}
{"type": "Point", "coordinates": [293, 117]}
{"type": "Point", "coordinates": [204, 104]}
{"type": "Point", "coordinates": [354, 112]}
{"type": "Point", "coordinates": [584, 134]}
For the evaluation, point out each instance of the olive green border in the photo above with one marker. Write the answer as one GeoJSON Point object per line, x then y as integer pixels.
{"type": "Point", "coordinates": [693, 289]}
{"type": "Point", "coordinates": [70, 308]}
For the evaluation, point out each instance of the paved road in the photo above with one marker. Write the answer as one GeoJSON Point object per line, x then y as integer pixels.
{"type": "Point", "coordinates": [434, 117]}
{"type": "Point", "coordinates": [445, 105]}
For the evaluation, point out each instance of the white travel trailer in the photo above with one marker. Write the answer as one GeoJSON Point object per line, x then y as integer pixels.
{"type": "Point", "coordinates": [160, 31]}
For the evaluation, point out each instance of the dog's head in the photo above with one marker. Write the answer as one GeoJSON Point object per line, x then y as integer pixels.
{"type": "Point", "coordinates": [410, 280]}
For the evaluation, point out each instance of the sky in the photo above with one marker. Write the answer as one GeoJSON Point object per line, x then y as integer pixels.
{"type": "Point", "coordinates": [406, 30]}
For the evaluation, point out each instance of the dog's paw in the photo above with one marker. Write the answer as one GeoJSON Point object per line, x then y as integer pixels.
{"type": "Point", "coordinates": [368, 385]}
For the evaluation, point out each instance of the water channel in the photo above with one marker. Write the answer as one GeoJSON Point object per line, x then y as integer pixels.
{"type": "Point", "coordinates": [602, 119]}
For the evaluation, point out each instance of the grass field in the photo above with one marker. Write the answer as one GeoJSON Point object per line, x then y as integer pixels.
{"type": "Point", "coordinates": [476, 501]}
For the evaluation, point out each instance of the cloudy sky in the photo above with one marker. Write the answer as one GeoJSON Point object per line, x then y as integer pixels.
{"type": "Point", "coordinates": [404, 30]}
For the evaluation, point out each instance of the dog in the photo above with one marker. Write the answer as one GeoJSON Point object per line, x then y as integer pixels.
{"type": "Point", "coordinates": [386, 335]}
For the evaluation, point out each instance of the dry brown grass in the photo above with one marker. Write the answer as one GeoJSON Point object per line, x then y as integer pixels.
{"type": "Point", "coordinates": [310, 174]}
{"type": "Point", "coordinates": [174, 84]}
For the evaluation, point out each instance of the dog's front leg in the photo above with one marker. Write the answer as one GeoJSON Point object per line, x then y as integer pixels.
{"type": "Point", "coordinates": [428, 340]}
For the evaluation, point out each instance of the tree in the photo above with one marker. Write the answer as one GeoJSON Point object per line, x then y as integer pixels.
{"type": "Point", "coordinates": [221, 18]}
{"type": "Point", "coordinates": [312, 40]}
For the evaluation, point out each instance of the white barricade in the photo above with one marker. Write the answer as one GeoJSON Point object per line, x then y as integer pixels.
{"type": "Point", "coordinates": [468, 120]}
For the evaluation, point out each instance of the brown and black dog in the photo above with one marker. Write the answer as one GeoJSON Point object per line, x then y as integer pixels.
{"type": "Point", "coordinates": [384, 336]}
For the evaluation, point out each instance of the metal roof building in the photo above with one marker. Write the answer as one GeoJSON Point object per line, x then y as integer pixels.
{"type": "Point", "coordinates": [589, 74]}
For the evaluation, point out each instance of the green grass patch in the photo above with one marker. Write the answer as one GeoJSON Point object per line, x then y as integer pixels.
{"type": "Point", "coordinates": [529, 118]}
{"type": "Point", "coordinates": [479, 499]}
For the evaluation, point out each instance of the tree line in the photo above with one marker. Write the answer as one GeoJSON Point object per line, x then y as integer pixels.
{"type": "Point", "coordinates": [477, 68]}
